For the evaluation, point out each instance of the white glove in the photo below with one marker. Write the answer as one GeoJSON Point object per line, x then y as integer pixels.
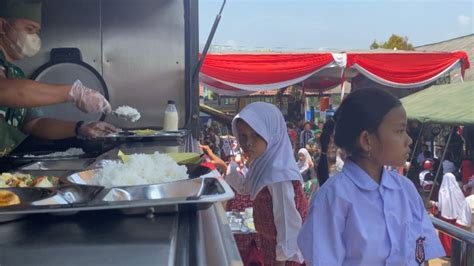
{"type": "Point", "coordinates": [96, 129]}
{"type": "Point", "coordinates": [88, 100]}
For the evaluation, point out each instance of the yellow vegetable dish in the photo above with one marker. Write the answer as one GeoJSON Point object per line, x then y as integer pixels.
{"type": "Point", "coordinates": [26, 180]}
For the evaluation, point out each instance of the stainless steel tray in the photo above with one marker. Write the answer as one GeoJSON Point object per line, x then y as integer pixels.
{"type": "Point", "coordinates": [189, 194]}
{"type": "Point", "coordinates": [129, 135]}
{"type": "Point", "coordinates": [70, 164]}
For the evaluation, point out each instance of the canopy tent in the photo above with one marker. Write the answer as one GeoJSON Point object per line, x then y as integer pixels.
{"type": "Point", "coordinates": [450, 104]}
{"type": "Point", "coordinates": [242, 74]}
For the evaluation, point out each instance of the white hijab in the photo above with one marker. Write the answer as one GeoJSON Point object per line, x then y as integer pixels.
{"type": "Point", "coordinates": [303, 166]}
{"type": "Point", "coordinates": [277, 163]}
{"type": "Point", "coordinates": [450, 198]}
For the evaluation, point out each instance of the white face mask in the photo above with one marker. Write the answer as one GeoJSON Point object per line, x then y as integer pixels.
{"type": "Point", "coordinates": [30, 44]}
{"type": "Point", "coordinates": [27, 45]}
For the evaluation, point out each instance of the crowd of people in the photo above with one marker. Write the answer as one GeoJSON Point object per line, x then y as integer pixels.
{"type": "Point", "coordinates": [334, 193]}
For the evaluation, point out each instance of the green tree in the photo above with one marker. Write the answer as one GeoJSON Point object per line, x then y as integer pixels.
{"type": "Point", "coordinates": [395, 42]}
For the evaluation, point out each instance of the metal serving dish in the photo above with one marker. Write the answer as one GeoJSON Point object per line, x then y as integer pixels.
{"type": "Point", "coordinates": [70, 164]}
{"type": "Point", "coordinates": [27, 195]}
{"type": "Point", "coordinates": [129, 135]}
{"type": "Point", "coordinates": [183, 189]}
{"type": "Point", "coordinates": [190, 194]}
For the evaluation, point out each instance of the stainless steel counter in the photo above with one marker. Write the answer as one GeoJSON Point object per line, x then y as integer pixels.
{"type": "Point", "coordinates": [111, 238]}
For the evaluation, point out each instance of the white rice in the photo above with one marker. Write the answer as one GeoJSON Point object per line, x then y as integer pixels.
{"type": "Point", "coordinates": [128, 112]}
{"type": "Point", "coordinates": [140, 169]}
{"type": "Point", "coordinates": [67, 153]}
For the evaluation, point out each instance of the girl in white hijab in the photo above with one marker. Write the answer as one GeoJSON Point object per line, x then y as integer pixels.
{"type": "Point", "coordinates": [450, 203]}
{"type": "Point", "coordinates": [273, 181]}
{"type": "Point", "coordinates": [305, 163]}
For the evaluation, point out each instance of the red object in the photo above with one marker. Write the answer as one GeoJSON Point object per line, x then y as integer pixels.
{"type": "Point", "coordinates": [240, 74]}
{"type": "Point", "coordinates": [428, 165]}
{"type": "Point", "coordinates": [209, 165]}
{"type": "Point", "coordinates": [264, 220]}
{"type": "Point", "coordinates": [255, 256]}
{"type": "Point", "coordinates": [467, 170]}
{"type": "Point", "coordinates": [324, 103]}
{"type": "Point", "coordinates": [446, 239]}
{"type": "Point", "coordinates": [262, 68]}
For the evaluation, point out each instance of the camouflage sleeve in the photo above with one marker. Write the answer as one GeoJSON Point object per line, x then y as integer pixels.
{"type": "Point", "coordinates": [31, 114]}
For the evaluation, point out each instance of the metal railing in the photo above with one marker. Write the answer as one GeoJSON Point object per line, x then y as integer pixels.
{"type": "Point", "coordinates": [463, 256]}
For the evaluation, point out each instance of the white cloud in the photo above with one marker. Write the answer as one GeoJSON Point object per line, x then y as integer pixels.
{"type": "Point", "coordinates": [464, 20]}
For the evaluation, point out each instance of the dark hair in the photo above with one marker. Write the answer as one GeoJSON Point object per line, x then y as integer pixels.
{"type": "Point", "coordinates": [325, 138]}
{"type": "Point", "coordinates": [362, 110]}
{"type": "Point", "coordinates": [427, 154]}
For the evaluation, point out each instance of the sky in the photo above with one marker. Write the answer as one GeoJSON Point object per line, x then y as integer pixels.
{"type": "Point", "coordinates": [336, 25]}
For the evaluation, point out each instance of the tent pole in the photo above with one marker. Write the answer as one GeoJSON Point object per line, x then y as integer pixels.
{"type": "Point", "coordinates": [416, 143]}
{"type": "Point", "coordinates": [441, 161]}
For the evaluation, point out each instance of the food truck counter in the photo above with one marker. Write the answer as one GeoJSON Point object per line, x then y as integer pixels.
{"type": "Point", "coordinates": [189, 236]}
{"type": "Point", "coordinates": [112, 238]}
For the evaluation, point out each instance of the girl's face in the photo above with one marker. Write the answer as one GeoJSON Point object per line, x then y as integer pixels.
{"type": "Point", "coordinates": [253, 145]}
{"type": "Point", "coordinates": [390, 144]}
{"type": "Point", "coordinates": [301, 157]}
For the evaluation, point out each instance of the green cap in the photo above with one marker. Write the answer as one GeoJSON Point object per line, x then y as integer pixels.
{"type": "Point", "coordinates": [26, 9]}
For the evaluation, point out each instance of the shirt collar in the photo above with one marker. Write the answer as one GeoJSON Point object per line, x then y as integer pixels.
{"type": "Point", "coordinates": [361, 179]}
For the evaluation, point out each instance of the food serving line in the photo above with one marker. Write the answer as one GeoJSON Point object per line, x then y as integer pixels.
{"type": "Point", "coordinates": [166, 230]}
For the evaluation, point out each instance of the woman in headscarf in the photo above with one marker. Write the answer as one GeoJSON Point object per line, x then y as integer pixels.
{"type": "Point", "coordinates": [450, 203]}
{"type": "Point", "coordinates": [273, 181]}
{"type": "Point", "coordinates": [305, 164]}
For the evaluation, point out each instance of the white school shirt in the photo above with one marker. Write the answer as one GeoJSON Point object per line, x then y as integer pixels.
{"type": "Point", "coordinates": [355, 221]}
{"type": "Point", "coordinates": [287, 219]}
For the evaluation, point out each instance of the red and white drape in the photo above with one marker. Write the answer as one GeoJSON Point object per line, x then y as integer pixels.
{"type": "Point", "coordinates": [241, 74]}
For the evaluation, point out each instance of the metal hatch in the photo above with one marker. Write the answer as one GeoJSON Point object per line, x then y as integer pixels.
{"type": "Point", "coordinates": [145, 50]}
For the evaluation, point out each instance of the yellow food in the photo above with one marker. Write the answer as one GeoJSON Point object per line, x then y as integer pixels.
{"type": "Point", "coordinates": [144, 132]}
{"type": "Point", "coordinates": [8, 198]}
{"type": "Point", "coordinates": [26, 180]}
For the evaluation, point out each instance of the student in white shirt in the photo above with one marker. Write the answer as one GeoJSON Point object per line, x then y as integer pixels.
{"type": "Point", "coordinates": [367, 215]}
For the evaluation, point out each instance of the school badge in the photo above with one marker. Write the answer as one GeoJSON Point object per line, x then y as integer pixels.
{"type": "Point", "coordinates": [420, 250]}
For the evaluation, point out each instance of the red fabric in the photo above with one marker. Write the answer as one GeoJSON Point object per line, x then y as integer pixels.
{"type": "Point", "coordinates": [255, 256]}
{"type": "Point", "coordinates": [467, 170]}
{"type": "Point", "coordinates": [403, 68]}
{"type": "Point", "coordinates": [446, 239]}
{"type": "Point", "coordinates": [264, 220]}
{"type": "Point", "coordinates": [406, 68]}
{"type": "Point", "coordinates": [238, 203]}
{"type": "Point", "coordinates": [262, 68]}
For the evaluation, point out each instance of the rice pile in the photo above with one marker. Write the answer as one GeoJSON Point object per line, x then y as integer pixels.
{"type": "Point", "coordinates": [129, 112]}
{"type": "Point", "coordinates": [140, 169]}
{"type": "Point", "coordinates": [69, 152]}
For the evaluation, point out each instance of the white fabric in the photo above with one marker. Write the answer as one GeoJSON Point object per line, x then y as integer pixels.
{"type": "Point", "coordinates": [465, 215]}
{"type": "Point", "coordinates": [303, 166]}
{"type": "Point", "coordinates": [450, 198]}
{"type": "Point", "coordinates": [448, 167]}
{"type": "Point", "coordinates": [340, 59]}
{"type": "Point", "coordinates": [277, 163]}
{"type": "Point", "coordinates": [422, 176]}
{"type": "Point", "coordinates": [287, 221]}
